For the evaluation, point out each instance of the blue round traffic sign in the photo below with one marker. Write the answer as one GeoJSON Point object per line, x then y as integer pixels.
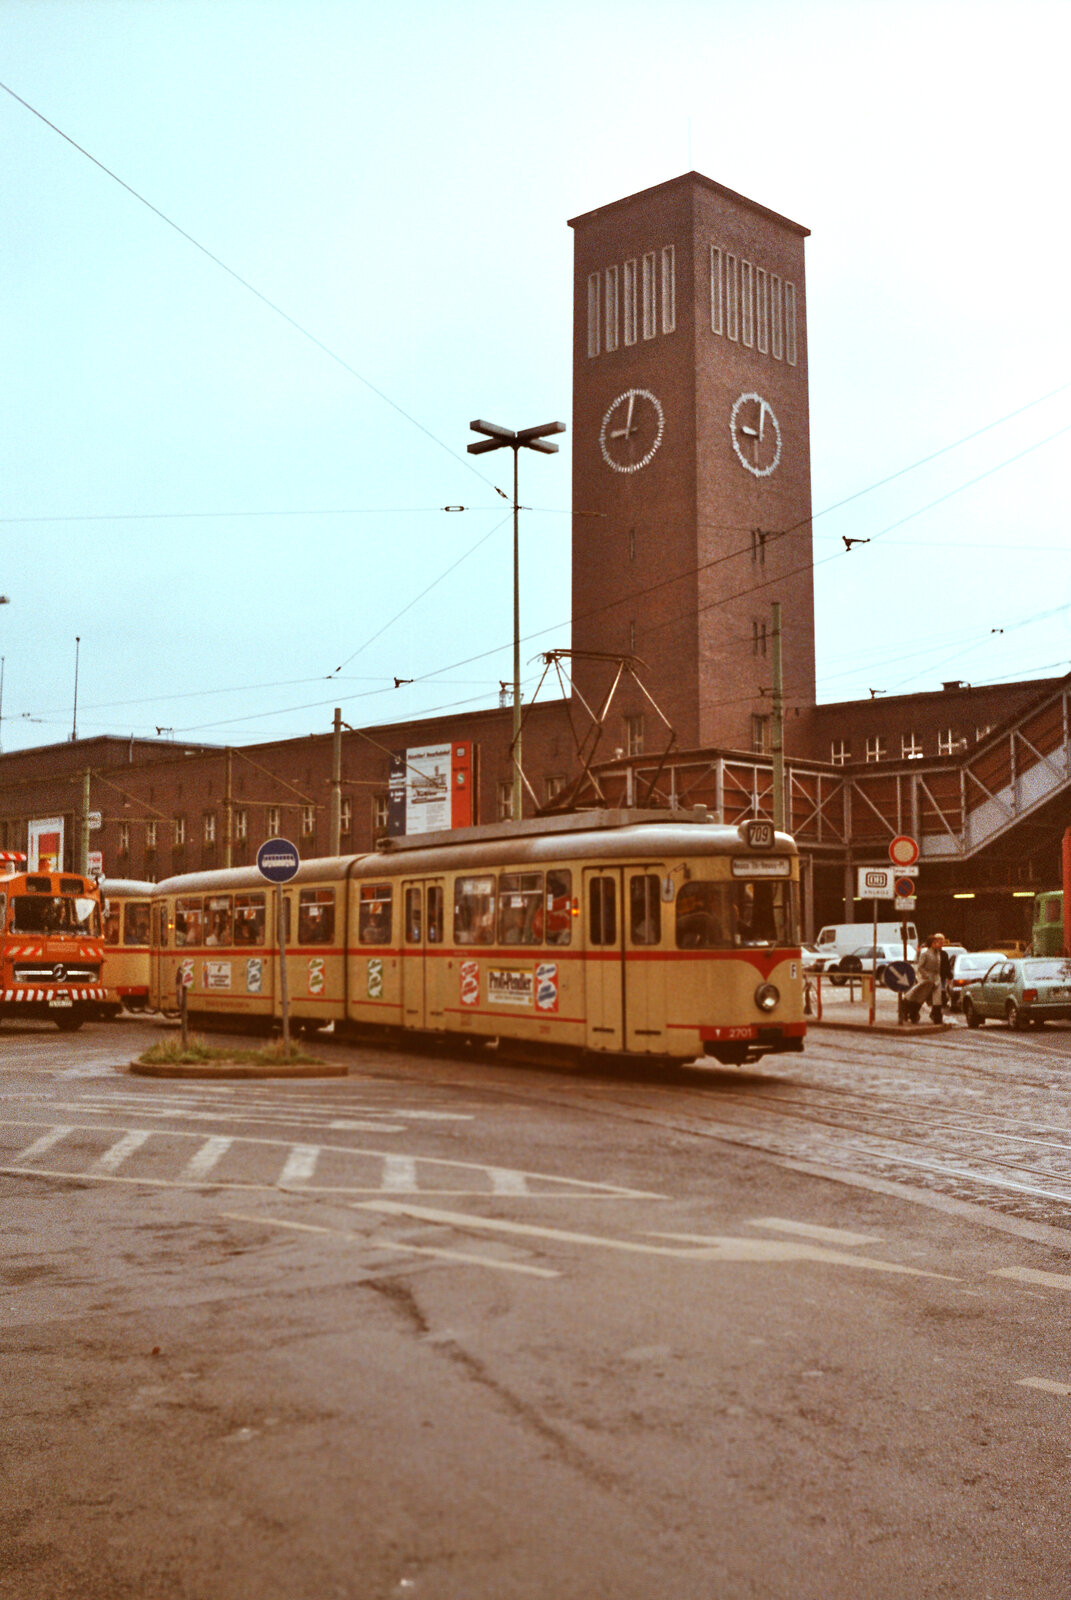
{"type": "Point", "coordinates": [898, 976]}
{"type": "Point", "coordinates": [278, 860]}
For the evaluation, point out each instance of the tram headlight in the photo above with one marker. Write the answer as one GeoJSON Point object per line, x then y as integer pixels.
{"type": "Point", "coordinates": [767, 995]}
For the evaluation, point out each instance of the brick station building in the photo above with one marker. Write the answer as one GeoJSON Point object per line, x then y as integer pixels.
{"type": "Point", "coordinates": [691, 517]}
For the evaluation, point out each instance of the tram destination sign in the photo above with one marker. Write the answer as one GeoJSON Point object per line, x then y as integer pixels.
{"type": "Point", "coordinates": [278, 860]}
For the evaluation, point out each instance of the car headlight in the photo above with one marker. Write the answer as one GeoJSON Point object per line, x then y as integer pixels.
{"type": "Point", "coordinates": [767, 996]}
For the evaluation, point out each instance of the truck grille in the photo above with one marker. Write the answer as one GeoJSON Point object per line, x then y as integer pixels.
{"type": "Point", "coordinates": [57, 972]}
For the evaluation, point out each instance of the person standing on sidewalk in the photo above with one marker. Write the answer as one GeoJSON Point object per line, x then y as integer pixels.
{"type": "Point", "coordinates": [933, 971]}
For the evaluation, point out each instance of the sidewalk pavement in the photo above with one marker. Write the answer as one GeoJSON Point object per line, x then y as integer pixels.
{"type": "Point", "coordinates": [848, 1008]}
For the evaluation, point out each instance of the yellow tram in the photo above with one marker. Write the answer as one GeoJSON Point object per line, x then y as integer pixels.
{"type": "Point", "coordinates": [637, 933]}
{"type": "Point", "coordinates": [126, 906]}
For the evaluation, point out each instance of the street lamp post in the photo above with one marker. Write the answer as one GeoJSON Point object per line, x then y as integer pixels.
{"type": "Point", "coordinates": [527, 439]}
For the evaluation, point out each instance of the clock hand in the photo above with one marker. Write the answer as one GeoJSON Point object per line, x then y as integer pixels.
{"type": "Point", "coordinates": [627, 431]}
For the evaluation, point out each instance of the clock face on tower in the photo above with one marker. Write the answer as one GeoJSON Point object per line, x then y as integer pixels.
{"type": "Point", "coordinates": [756, 435]}
{"type": "Point", "coordinates": [631, 430]}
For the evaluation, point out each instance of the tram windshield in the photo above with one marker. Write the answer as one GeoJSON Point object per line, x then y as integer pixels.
{"type": "Point", "coordinates": [56, 914]}
{"type": "Point", "coordinates": [729, 916]}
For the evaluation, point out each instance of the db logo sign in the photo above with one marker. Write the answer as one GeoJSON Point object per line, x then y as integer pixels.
{"type": "Point", "coordinates": [876, 880]}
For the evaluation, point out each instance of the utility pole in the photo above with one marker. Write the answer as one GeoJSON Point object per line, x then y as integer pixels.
{"type": "Point", "coordinates": [778, 748]}
{"type": "Point", "coordinates": [83, 847]}
{"type": "Point", "coordinates": [336, 785]}
{"type": "Point", "coordinates": [77, 649]}
{"type": "Point", "coordinates": [529, 439]}
{"type": "Point", "coordinates": [228, 808]}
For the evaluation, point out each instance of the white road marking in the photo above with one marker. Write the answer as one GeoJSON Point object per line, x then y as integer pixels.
{"type": "Point", "coordinates": [812, 1230]}
{"type": "Point", "coordinates": [552, 1187]}
{"type": "Point", "coordinates": [46, 1142]}
{"type": "Point", "coordinates": [506, 1181]}
{"type": "Point", "coordinates": [210, 1154]}
{"type": "Point", "coordinates": [1050, 1280]}
{"type": "Point", "coordinates": [400, 1175]}
{"type": "Point", "coordinates": [717, 1248]}
{"type": "Point", "coordinates": [461, 1256]}
{"type": "Point", "coordinates": [1044, 1383]}
{"type": "Point", "coordinates": [300, 1164]}
{"type": "Point", "coordinates": [113, 1159]}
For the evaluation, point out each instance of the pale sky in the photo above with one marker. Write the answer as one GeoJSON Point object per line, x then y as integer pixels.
{"type": "Point", "coordinates": [225, 514]}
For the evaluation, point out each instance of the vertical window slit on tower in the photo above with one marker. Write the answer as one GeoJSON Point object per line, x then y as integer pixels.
{"type": "Point", "coordinates": [593, 314]}
{"type": "Point", "coordinates": [630, 301]}
{"type": "Point", "coordinates": [669, 289]}
{"type": "Point", "coordinates": [717, 291]}
{"type": "Point", "coordinates": [649, 290]}
{"type": "Point", "coordinates": [611, 309]}
{"type": "Point", "coordinates": [747, 309]}
{"type": "Point", "coordinates": [732, 299]}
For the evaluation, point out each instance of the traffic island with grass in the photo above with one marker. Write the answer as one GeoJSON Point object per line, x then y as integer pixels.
{"type": "Point", "coordinates": [196, 1059]}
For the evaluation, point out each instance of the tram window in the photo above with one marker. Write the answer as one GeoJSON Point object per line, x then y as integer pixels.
{"type": "Point", "coordinates": [249, 919]}
{"type": "Point", "coordinates": [435, 913]}
{"type": "Point", "coordinates": [703, 916]}
{"type": "Point", "coordinates": [602, 911]}
{"type": "Point", "coordinates": [316, 916]}
{"type": "Point", "coordinates": [111, 922]}
{"type": "Point", "coordinates": [559, 917]}
{"type": "Point", "coordinates": [136, 922]}
{"type": "Point", "coordinates": [219, 919]}
{"type": "Point", "coordinates": [413, 909]}
{"type": "Point", "coordinates": [520, 908]}
{"type": "Point", "coordinates": [189, 923]}
{"type": "Point", "coordinates": [373, 917]}
{"type": "Point", "coordinates": [764, 913]}
{"type": "Point", "coordinates": [645, 908]}
{"type": "Point", "coordinates": [72, 886]}
{"type": "Point", "coordinates": [474, 911]}
{"type": "Point", "coordinates": [723, 916]}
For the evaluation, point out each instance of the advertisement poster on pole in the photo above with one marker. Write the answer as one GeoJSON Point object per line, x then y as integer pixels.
{"type": "Point", "coordinates": [44, 851]}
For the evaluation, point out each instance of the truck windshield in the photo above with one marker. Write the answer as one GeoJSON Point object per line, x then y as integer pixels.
{"type": "Point", "coordinates": [56, 914]}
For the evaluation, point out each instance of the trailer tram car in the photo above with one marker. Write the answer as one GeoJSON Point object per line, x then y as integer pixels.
{"type": "Point", "coordinates": [126, 907]}
{"type": "Point", "coordinates": [622, 932]}
{"type": "Point", "coordinates": [50, 946]}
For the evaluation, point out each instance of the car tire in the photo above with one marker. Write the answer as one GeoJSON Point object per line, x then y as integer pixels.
{"type": "Point", "coordinates": [879, 974]}
{"type": "Point", "coordinates": [971, 1015]}
{"type": "Point", "coordinates": [1015, 1017]}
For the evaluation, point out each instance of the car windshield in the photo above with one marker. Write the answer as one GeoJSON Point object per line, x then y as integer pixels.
{"type": "Point", "coordinates": [1051, 971]}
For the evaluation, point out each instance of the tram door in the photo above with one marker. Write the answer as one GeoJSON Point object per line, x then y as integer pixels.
{"type": "Point", "coordinates": [423, 964]}
{"type": "Point", "coordinates": [645, 970]}
{"type": "Point", "coordinates": [604, 965]}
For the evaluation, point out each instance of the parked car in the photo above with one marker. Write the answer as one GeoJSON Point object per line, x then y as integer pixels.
{"type": "Point", "coordinates": [869, 958]}
{"type": "Point", "coordinates": [967, 968]}
{"type": "Point", "coordinates": [815, 960]}
{"type": "Point", "coordinates": [1024, 992]}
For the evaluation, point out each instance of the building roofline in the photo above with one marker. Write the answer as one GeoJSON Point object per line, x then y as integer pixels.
{"type": "Point", "coordinates": [704, 182]}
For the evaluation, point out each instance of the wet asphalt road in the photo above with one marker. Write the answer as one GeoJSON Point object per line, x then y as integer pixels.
{"type": "Point", "coordinates": [454, 1327]}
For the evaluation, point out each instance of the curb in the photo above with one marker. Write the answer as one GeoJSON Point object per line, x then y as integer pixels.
{"type": "Point", "coordinates": [237, 1069]}
{"type": "Point", "coordinates": [891, 1030]}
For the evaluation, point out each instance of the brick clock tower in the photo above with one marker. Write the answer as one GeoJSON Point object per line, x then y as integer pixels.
{"type": "Point", "coordinates": [691, 463]}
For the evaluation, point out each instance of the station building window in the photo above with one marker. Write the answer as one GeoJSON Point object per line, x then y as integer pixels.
{"type": "Point", "coordinates": [911, 748]}
{"type": "Point", "coordinates": [840, 752]}
{"type": "Point", "coordinates": [877, 748]}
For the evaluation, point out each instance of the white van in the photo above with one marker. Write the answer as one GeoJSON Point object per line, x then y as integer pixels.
{"type": "Point", "coordinates": [841, 938]}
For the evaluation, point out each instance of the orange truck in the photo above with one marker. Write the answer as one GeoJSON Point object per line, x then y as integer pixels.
{"type": "Point", "coordinates": [51, 948]}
